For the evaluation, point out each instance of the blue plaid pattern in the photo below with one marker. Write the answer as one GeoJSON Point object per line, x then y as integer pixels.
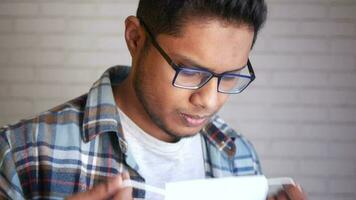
{"type": "Point", "coordinates": [79, 144]}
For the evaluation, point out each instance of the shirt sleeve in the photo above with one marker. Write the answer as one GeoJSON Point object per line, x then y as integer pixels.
{"type": "Point", "coordinates": [10, 187]}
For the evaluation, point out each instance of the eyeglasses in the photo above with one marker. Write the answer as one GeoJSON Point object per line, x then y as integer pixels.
{"type": "Point", "coordinates": [194, 77]}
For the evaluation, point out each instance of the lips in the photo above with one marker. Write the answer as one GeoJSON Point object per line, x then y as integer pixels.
{"type": "Point", "coordinates": [193, 120]}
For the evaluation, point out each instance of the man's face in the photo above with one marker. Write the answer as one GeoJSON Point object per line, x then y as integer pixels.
{"type": "Point", "coordinates": [215, 45]}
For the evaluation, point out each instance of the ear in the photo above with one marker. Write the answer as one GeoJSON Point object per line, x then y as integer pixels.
{"type": "Point", "coordinates": [134, 35]}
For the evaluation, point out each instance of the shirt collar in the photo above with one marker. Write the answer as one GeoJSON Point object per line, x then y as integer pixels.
{"type": "Point", "coordinates": [101, 113]}
{"type": "Point", "coordinates": [221, 136]}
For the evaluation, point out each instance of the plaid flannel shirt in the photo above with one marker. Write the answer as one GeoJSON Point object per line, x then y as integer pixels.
{"type": "Point", "coordinates": [79, 144]}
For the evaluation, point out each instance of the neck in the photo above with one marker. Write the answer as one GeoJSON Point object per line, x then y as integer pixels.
{"type": "Point", "coordinates": [126, 99]}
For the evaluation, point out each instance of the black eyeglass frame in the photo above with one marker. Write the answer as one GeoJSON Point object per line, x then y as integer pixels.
{"type": "Point", "coordinates": [177, 68]}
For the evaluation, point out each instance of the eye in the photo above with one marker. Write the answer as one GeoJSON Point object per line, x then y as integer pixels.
{"type": "Point", "coordinates": [189, 73]}
{"type": "Point", "coordinates": [188, 76]}
{"type": "Point", "coordinates": [229, 78]}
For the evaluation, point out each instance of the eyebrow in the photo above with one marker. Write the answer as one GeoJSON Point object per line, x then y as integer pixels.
{"type": "Point", "coordinates": [198, 66]}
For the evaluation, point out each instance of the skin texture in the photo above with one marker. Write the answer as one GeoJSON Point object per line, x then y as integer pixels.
{"type": "Point", "coordinates": [109, 190]}
{"type": "Point", "coordinates": [289, 192]}
{"type": "Point", "coordinates": [147, 95]}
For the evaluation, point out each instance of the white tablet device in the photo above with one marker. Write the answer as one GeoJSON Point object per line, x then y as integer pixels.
{"type": "Point", "coordinates": [239, 187]}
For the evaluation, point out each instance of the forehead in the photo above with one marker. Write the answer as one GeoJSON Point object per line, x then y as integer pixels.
{"type": "Point", "coordinates": [215, 44]}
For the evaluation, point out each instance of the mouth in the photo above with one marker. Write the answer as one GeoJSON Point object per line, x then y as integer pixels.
{"type": "Point", "coordinates": [194, 120]}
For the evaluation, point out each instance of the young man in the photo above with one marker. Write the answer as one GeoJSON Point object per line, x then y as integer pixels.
{"type": "Point", "coordinates": [155, 122]}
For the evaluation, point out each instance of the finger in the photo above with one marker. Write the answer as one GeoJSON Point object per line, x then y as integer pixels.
{"type": "Point", "coordinates": [271, 198]}
{"type": "Point", "coordinates": [125, 176]}
{"type": "Point", "coordinates": [101, 191]}
{"type": "Point", "coordinates": [282, 195]}
{"type": "Point", "coordinates": [295, 192]}
{"type": "Point", "coordinates": [126, 192]}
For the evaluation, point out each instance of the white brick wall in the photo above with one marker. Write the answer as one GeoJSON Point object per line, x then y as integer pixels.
{"type": "Point", "coordinates": [300, 112]}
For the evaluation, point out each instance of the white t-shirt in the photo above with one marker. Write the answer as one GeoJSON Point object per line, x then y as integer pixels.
{"type": "Point", "coordinates": [161, 162]}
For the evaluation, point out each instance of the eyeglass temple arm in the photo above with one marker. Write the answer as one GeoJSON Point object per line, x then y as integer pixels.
{"type": "Point", "coordinates": [250, 69]}
{"type": "Point", "coordinates": [154, 42]}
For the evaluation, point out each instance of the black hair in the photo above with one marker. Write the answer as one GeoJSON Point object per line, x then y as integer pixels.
{"type": "Point", "coordinates": [168, 16]}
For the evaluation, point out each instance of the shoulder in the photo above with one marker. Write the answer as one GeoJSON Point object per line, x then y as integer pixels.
{"type": "Point", "coordinates": [42, 127]}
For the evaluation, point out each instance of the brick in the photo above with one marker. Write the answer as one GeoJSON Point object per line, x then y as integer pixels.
{"type": "Point", "coordinates": [98, 59]}
{"type": "Point", "coordinates": [297, 113]}
{"type": "Point", "coordinates": [13, 119]}
{"type": "Point", "coordinates": [268, 131]}
{"type": "Point", "coordinates": [335, 63]}
{"type": "Point", "coordinates": [37, 58]}
{"type": "Point", "coordinates": [278, 167]}
{"type": "Point", "coordinates": [48, 91]}
{"type": "Point", "coordinates": [68, 9]}
{"type": "Point", "coordinates": [343, 114]}
{"type": "Point", "coordinates": [343, 12]}
{"type": "Point", "coordinates": [270, 63]}
{"type": "Point", "coordinates": [97, 26]}
{"type": "Point", "coordinates": [76, 42]}
{"type": "Point", "coordinates": [280, 27]}
{"type": "Point", "coordinates": [262, 44]}
{"type": "Point", "coordinates": [268, 96]}
{"type": "Point", "coordinates": [83, 59]}
{"type": "Point", "coordinates": [305, 45]}
{"type": "Point", "coordinates": [72, 91]}
{"type": "Point", "coordinates": [261, 147]}
{"type": "Point", "coordinates": [18, 9]}
{"type": "Point", "coordinates": [67, 76]}
{"type": "Point", "coordinates": [4, 57]}
{"type": "Point", "coordinates": [313, 185]}
{"type": "Point", "coordinates": [297, 11]}
{"type": "Point", "coordinates": [6, 25]}
{"type": "Point", "coordinates": [117, 9]}
{"type": "Point", "coordinates": [18, 41]}
{"type": "Point", "coordinates": [263, 80]}
{"type": "Point", "coordinates": [112, 43]}
{"type": "Point", "coordinates": [345, 46]}
{"type": "Point", "coordinates": [342, 79]}
{"type": "Point", "coordinates": [15, 107]}
{"type": "Point", "coordinates": [327, 29]}
{"type": "Point", "coordinates": [342, 186]}
{"type": "Point", "coordinates": [4, 90]}
{"type": "Point", "coordinates": [44, 105]}
{"type": "Point", "coordinates": [35, 91]}
{"type": "Point", "coordinates": [328, 132]}
{"type": "Point", "coordinates": [300, 79]}
{"type": "Point", "coordinates": [40, 25]}
{"type": "Point", "coordinates": [302, 149]}
{"type": "Point", "coordinates": [342, 150]}
{"type": "Point", "coordinates": [328, 97]}
{"type": "Point", "coordinates": [327, 168]}
{"type": "Point", "coordinates": [16, 74]}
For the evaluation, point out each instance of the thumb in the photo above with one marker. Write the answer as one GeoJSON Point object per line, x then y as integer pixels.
{"type": "Point", "coordinates": [124, 193]}
{"type": "Point", "coordinates": [101, 191]}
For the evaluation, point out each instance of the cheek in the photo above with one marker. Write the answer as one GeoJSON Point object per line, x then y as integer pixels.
{"type": "Point", "coordinates": [160, 93]}
{"type": "Point", "coordinates": [222, 99]}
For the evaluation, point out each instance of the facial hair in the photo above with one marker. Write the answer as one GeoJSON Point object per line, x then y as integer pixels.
{"type": "Point", "coordinates": [143, 96]}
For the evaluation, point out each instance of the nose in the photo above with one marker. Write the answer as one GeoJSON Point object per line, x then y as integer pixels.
{"type": "Point", "coordinates": [206, 97]}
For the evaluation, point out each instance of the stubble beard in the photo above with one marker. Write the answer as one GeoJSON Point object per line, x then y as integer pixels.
{"type": "Point", "coordinates": [142, 94]}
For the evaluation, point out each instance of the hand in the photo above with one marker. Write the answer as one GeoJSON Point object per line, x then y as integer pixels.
{"type": "Point", "coordinates": [289, 192]}
{"type": "Point", "coordinates": [112, 189]}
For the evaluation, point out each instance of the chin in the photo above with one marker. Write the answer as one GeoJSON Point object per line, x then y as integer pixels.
{"type": "Point", "coordinates": [185, 132]}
